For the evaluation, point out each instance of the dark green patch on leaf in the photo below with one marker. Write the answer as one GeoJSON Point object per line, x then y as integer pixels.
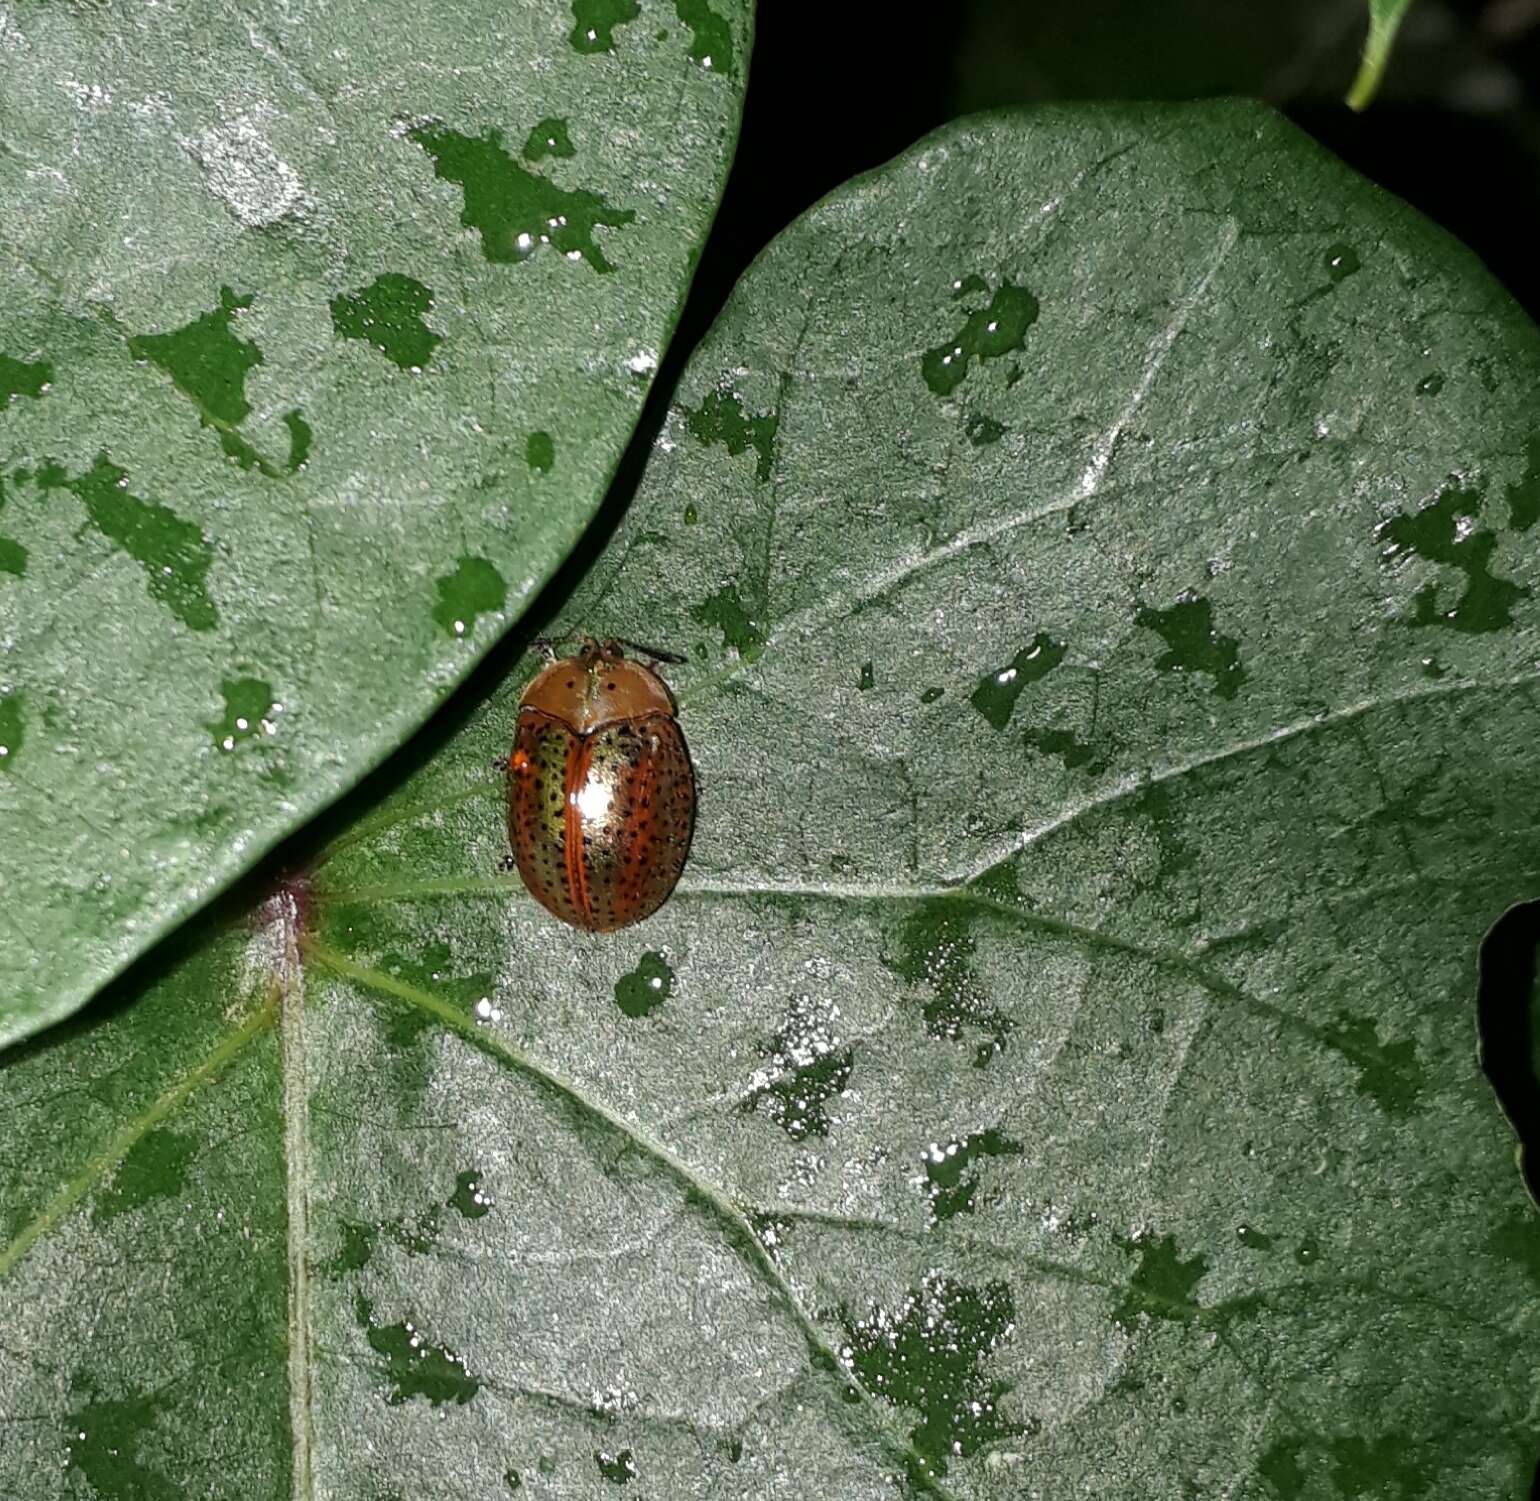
{"type": "Point", "coordinates": [596, 20]}
{"type": "Point", "coordinates": [711, 38]}
{"type": "Point", "coordinates": [935, 945]}
{"type": "Point", "coordinates": [645, 988]}
{"type": "Point", "coordinates": [413, 1366]}
{"type": "Point", "coordinates": [1523, 495]}
{"type": "Point", "coordinates": [431, 968]}
{"type": "Point", "coordinates": [1156, 804]}
{"type": "Point", "coordinates": [720, 419]}
{"type": "Point", "coordinates": [1518, 1240]}
{"type": "Point", "coordinates": [997, 692]}
{"type": "Point", "coordinates": [244, 453]}
{"type": "Point", "coordinates": [22, 378]}
{"type": "Point", "coordinates": [407, 1030]}
{"type": "Point", "coordinates": [249, 710]}
{"type": "Point", "coordinates": [300, 438]}
{"type": "Point", "coordinates": [548, 138]}
{"type": "Point", "coordinates": [1193, 644]}
{"type": "Point", "coordinates": [469, 1199]}
{"type": "Point", "coordinates": [388, 314]}
{"type": "Point", "coordinates": [474, 588]}
{"type": "Point", "coordinates": [1380, 1467]}
{"type": "Point", "coordinates": [1073, 753]}
{"type": "Point", "coordinates": [949, 1190]}
{"type": "Point", "coordinates": [618, 1469]}
{"type": "Point", "coordinates": [987, 334]}
{"type": "Point", "coordinates": [516, 211]}
{"type": "Point", "coordinates": [927, 1355]}
{"type": "Point", "coordinates": [983, 430]}
{"type": "Point", "coordinates": [867, 680]}
{"type": "Point", "coordinates": [155, 1167]}
{"type": "Point", "coordinates": [724, 609]}
{"type": "Point", "coordinates": [807, 1069]}
{"type": "Point", "coordinates": [540, 452]}
{"type": "Point", "coordinates": [1390, 1073]}
{"type": "Point", "coordinates": [174, 554]}
{"type": "Point", "coordinates": [1444, 532]}
{"type": "Point", "coordinates": [13, 730]}
{"type": "Point", "coordinates": [1253, 1239]}
{"type": "Point", "coordinates": [417, 1234]}
{"type": "Point", "coordinates": [1162, 1284]}
{"type": "Point", "coordinates": [1279, 1466]}
{"type": "Point", "coordinates": [206, 360]}
{"type": "Point", "coordinates": [356, 1250]}
{"type": "Point", "coordinates": [104, 1445]}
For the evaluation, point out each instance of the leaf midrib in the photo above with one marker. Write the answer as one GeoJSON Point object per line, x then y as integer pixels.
{"type": "Point", "coordinates": [739, 1232]}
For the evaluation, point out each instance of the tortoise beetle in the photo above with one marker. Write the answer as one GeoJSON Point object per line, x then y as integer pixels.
{"type": "Point", "coordinates": [601, 793]}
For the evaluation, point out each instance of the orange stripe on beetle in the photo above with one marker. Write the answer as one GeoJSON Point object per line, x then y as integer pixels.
{"type": "Point", "coordinates": [601, 793]}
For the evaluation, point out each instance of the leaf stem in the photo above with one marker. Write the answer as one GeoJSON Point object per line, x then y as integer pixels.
{"type": "Point", "coordinates": [1385, 17]}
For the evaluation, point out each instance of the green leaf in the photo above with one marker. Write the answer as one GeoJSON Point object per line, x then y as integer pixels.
{"type": "Point", "coordinates": [1056, 1069]}
{"type": "Point", "coordinates": [320, 339]}
{"type": "Point", "coordinates": [1385, 18]}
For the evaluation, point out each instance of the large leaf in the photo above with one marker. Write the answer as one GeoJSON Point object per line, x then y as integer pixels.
{"type": "Point", "coordinates": [321, 333]}
{"type": "Point", "coordinates": [1113, 636]}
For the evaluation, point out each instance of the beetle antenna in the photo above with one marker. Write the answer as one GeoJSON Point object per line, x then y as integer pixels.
{"type": "Point", "coordinates": [650, 651]}
{"type": "Point", "coordinates": [550, 646]}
